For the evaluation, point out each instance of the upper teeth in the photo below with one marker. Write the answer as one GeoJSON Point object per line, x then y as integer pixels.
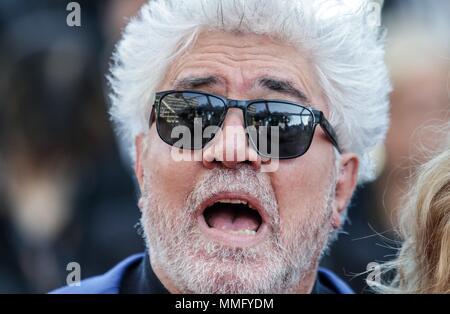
{"type": "Point", "coordinates": [236, 201]}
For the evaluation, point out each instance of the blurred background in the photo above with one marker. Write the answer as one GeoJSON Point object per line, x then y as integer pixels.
{"type": "Point", "coordinates": [66, 191]}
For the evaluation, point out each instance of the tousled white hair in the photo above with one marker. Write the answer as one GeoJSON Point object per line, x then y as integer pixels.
{"type": "Point", "coordinates": [347, 52]}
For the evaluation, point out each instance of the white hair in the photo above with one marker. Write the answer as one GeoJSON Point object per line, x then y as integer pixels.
{"type": "Point", "coordinates": [346, 50]}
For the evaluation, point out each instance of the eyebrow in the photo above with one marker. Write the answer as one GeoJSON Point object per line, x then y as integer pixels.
{"type": "Point", "coordinates": [271, 83]}
{"type": "Point", "coordinates": [195, 82]}
{"type": "Point", "coordinates": [283, 86]}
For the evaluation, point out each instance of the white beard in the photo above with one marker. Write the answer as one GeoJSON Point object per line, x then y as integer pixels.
{"type": "Point", "coordinates": [197, 264]}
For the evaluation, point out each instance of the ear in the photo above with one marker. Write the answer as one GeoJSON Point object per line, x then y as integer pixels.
{"type": "Point", "coordinates": [138, 169]}
{"type": "Point", "coordinates": [345, 186]}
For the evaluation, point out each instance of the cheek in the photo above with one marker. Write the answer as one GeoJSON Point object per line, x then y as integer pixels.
{"type": "Point", "coordinates": [171, 181]}
{"type": "Point", "coordinates": [300, 184]}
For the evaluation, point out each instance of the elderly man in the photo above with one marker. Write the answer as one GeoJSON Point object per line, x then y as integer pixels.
{"type": "Point", "coordinates": [250, 123]}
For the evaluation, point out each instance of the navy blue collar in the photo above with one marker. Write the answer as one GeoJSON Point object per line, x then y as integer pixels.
{"type": "Point", "coordinates": [140, 279]}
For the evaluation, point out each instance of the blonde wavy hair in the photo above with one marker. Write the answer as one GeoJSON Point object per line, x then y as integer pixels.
{"type": "Point", "coordinates": [423, 262]}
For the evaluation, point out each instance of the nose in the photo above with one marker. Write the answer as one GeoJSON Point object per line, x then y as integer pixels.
{"type": "Point", "coordinates": [230, 146]}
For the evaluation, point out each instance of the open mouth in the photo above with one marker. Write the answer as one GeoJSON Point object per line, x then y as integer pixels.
{"type": "Point", "coordinates": [235, 219]}
{"type": "Point", "coordinates": [233, 216]}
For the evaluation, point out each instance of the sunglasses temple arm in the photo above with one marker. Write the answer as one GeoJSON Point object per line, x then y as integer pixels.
{"type": "Point", "coordinates": [326, 126]}
{"type": "Point", "coordinates": [152, 116]}
{"type": "Point", "coordinates": [153, 112]}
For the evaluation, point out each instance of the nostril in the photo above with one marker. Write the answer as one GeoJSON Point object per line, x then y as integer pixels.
{"type": "Point", "coordinates": [230, 164]}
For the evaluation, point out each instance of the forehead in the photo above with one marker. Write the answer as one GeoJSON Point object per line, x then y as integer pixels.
{"type": "Point", "coordinates": [239, 59]}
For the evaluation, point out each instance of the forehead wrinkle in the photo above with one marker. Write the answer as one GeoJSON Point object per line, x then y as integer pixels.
{"type": "Point", "coordinates": [232, 57]}
{"type": "Point", "coordinates": [221, 71]}
{"type": "Point", "coordinates": [225, 60]}
{"type": "Point", "coordinates": [279, 84]}
{"type": "Point", "coordinates": [300, 85]}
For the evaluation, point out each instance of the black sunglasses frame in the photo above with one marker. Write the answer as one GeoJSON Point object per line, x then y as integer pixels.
{"type": "Point", "coordinates": [318, 116]}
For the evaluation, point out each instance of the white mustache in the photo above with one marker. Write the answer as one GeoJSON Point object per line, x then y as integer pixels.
{"type": "Point", "coordinates": [244, 180]}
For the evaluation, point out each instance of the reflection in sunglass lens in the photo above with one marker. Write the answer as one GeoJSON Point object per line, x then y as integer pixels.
{"type": "Point", "coordinates": [282, 130]}
{"type": "Point", "coordinates": [183, 117]}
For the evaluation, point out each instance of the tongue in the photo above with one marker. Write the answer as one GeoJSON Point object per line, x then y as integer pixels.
{"type": "Point", "coordinates": [234, 220]}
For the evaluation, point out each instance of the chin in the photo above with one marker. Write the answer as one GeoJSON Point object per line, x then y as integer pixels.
{"type": "Point", "coordinates": [210, 266]}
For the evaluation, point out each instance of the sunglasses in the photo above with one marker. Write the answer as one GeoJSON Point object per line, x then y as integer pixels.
{"type": "Point", "coordinates": [288, 125]}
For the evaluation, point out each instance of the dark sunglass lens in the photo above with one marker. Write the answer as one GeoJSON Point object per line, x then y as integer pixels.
{"type": "Point", "coordinates": [281, 130]}
{"type": "Point", "coordinates": [189, 120]}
